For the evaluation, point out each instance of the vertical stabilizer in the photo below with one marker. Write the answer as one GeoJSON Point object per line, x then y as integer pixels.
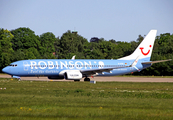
{"type": "Point", "coordinates": [144, 49]}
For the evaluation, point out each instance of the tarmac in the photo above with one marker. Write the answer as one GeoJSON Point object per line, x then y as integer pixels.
{"type": "Point", "coordinates": [103, 79]}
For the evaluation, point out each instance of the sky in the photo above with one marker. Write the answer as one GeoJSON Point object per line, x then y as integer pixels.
{"type": "Point", "coordinates": [121, 20]}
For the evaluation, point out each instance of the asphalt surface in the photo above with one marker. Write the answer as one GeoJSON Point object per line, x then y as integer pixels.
{"type": "Point", "coordinates": [103, 79]}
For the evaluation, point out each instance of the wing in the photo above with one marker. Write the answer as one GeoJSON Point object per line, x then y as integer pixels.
{"type": "Point", "coordinates": [100, 70]}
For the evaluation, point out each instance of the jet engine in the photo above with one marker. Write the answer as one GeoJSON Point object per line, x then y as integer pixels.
{"type": "Point", "coordinates": [73, 75]}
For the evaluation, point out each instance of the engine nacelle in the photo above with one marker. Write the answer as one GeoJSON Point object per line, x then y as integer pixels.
{"type": "Point", "coordinates": [73, 75]}
{"type": "Point", "coordinates": [56, 77]}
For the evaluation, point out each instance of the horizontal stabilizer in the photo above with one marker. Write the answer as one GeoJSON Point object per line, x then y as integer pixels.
{"type": "Point", "coordinates": [156, 61]}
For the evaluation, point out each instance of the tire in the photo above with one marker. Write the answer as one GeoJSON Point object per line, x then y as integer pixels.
{"type": "Point", "coordinates": [87, 79]}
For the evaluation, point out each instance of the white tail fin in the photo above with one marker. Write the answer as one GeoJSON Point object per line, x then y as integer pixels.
{"type": "Point", "coordinates": [145, 48]}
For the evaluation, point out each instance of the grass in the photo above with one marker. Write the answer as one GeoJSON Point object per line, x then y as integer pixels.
{"type": "Point", "coordinates": [83, 100]}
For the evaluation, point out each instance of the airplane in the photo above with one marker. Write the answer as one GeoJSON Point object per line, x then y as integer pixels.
{"type": "Point", "coordinates": [76, 69]}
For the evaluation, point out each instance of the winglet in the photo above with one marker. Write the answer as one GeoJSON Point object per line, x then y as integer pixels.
{"type": "Point", "coordinates": [135, 62]}
{"type": "Point", "coordinates": [73, 58]}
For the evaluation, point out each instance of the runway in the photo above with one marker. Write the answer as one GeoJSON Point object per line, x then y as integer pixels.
{"type": "Point", "coordinates": [103, 79]}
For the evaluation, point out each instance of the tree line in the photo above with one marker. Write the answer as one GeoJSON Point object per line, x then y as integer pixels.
{"type": "Point", "coordinates": [22, 44]}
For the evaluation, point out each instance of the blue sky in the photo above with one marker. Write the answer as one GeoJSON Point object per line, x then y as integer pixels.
{"type": "Point", "coordinates": [121, 20]}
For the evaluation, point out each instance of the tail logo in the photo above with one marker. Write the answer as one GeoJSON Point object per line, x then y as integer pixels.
{"type": "Point", "coordinates": [143, 51]}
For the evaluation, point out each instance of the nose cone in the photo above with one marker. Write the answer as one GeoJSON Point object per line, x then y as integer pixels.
{"type": "Point", "coordinates": [5, 70]}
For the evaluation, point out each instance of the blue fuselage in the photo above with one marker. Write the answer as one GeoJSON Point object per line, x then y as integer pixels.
{"type": "Point", "coordinates": [53, 67]}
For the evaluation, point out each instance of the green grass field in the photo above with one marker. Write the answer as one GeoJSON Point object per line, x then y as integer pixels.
{"type": "Point", "coordinates": [83, 100]}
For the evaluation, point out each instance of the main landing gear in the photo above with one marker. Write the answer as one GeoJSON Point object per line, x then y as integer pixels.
{"type": "Point", "coordinates": [87, 79]}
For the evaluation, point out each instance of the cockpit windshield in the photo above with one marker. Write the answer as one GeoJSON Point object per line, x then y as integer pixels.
{"type": "Point", "coordinates": [13, 65]}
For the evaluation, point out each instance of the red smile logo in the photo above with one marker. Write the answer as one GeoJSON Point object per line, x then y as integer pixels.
{"type": "Point", "coordinates": [143, 51]}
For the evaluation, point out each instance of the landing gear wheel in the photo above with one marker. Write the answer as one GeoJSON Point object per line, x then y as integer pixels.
{"type": "Point", "coordinates": [87, 79]}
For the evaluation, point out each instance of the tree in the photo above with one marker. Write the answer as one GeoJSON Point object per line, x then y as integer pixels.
{"type": "Point", "coordinates": [18, 55]}
{"type": "Point", "coordinates": [6, 50]}
{"type": "Point", "coordinates": [124, 49]}
{"type": "Point", "coordinates": [24, 42]}
{"type": "Point", "coordinates": [47, 48]}
{"type": "Point", "coordinates": [71, 44]}
{"type": "Point", "coordinates": [24, 38]}
{"type": "Point", "coordinates": [112, 41]}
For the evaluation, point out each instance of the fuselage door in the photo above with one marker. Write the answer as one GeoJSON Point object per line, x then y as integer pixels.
{"type": "Point", "coordinates": [25, 66]}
